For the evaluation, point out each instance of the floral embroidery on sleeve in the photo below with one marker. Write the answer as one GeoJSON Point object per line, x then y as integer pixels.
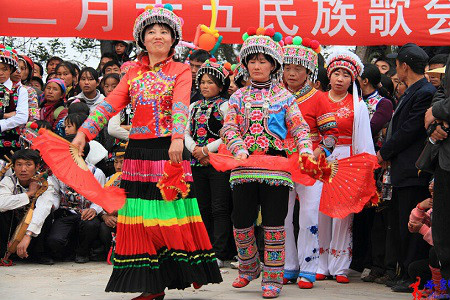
{"type": "Point", "coordinates": [180, 113]}
{"type": "Point", "coordinates": [230, 131]}
{"type": "Point", "coordinates": [298, 127]}
{"type": "Point", "coordinates": [98, 119]}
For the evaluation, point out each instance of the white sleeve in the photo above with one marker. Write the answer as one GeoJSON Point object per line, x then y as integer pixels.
{"type": "Point", "coordinates": [21, 116]}
{"type": "Point", "coordinates": [8, 201]}
{"type": "Point", "coordinates": [43, 207]}
{"type": "Point", "coordinates": [363, 134]}
{"type": "Point", "coordinates": [188, 140]}
{"type": "Point", "coordinates": [115, 130]}
{"type": "Point", "coordinates": [214, 146]}
{"type": "Point", "coordinates": [101, 178]}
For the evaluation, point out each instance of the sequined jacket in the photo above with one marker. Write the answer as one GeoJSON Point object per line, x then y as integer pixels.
{"type": "Point", "coordinates": [258, 121]}
{"type": "Point", "coordinates": [159, 97]}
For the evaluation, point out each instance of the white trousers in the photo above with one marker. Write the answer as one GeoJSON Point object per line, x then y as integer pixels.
{"type": "Point", "coordinates": [302, 257]}
{"type": "Point", "coordinates": [335, 235]}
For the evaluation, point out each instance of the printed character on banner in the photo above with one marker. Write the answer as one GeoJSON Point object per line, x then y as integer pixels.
{"type": "Point", "coordinates": [380, 19]}
{"type": "Point", "coordinates": [229, 19]}
{"type": "Point", "coordinates": [96, 12]}
{"type": "Point", "coordinates": [278, 12]}
{"type": "Point", "coordinates": [443, 17]}
{"type": "Point", "coordinates": [335, 10]}
{"type": "Point", "coordinates": [142, 5]}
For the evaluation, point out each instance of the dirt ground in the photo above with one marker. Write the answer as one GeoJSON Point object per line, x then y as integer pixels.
{"type": "Point", "coordinates": [70, 281]}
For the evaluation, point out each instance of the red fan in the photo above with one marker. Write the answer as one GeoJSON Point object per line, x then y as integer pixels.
{"type": "Point", "coordinates": [351, 188]}
{"type": "Point", "coordinates": [63, 159]}
{"type": "Point", "coordinates": [224, 161]}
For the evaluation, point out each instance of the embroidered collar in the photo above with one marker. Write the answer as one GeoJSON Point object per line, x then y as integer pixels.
{"type": "Point", "coordinates": [302, 92]}
{"type": "Point", "coordinates": [261, 85]}
{"type": "Point", "coordinates": [146, 61]}
{"type": "Point", "coordinates": [371, 95]}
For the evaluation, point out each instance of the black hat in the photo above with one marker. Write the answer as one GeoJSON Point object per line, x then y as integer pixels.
{"type": "Point", "coordinates": [411, 54]}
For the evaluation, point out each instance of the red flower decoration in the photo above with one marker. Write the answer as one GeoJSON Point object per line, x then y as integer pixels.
{"type": "Point", "coordinates": [210, 140]}
{"type": "Point", "coordinates": [249, 141]}
{"type": "Point", "coordinates": [202, 119]}
{"type": "Point", "coordinates": [201, 132]}
{"type": "Point", "coordinates": [256, 128]}
{"type": "Point", "coordinates": [279, 144]}
{"type": "Point", "coordinates": [7, 144]}
{"type": "Point", "coordinates": [256, 115]}
{"type": "Point", "coordinates": [262, 141]}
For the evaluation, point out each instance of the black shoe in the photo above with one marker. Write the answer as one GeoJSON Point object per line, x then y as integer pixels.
{"type": "Point", "coordinates": [382, 279]}
{"type": "Point", "coordinates": [45, 260]}
{"type": "Point", "coordinates": [391, 282]}
{"type": "Point", "coordinates": [79, 259]}
{"type": "Point", "coordinates": [370, 278]}
{"type": "Point", "coordinates": [403, 286]}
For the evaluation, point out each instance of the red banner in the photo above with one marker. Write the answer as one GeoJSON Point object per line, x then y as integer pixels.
{"type": "Point", "coordinates": [332, 22]}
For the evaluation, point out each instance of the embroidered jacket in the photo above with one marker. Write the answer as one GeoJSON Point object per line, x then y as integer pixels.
{"type": "Point", "coordinates": [206, 118]}
{"type": "Point", "coordinates": [33, 103]}
{"type": "Point", "coordinates": [159, 97]}
{"type": "Point", "coordinates": [258, 121]}
{"type": "Point", "coordinates": [317, 112]}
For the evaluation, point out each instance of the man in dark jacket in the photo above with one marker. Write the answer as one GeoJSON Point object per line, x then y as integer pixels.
{"type": "Point", "coordinates": [404, 143]}
{"type": "Point", "coordinates": [440, 113]}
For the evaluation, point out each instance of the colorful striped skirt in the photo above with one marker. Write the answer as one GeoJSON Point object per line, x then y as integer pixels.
{"type": "Point", "coordinates": [159, 244]}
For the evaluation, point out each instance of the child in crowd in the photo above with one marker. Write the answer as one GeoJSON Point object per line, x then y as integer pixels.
{"type": "Point", "coordinates": [97, 154]}
{"type": "Point", "coordinates": [89, 82]}
{"type": "Point", "coordinates": [119, 126]}
{"type": "Point", "coordinates": [206, 117]}
{"type": "Point", "coordinates": [52, 107]}
{"type": "Point", "coordinates": [66, 71]}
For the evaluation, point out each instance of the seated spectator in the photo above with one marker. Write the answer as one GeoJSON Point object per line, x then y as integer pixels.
{"type": "Point", "coordinates": [16, 193]}
{"type": "Point", "coordinates": [88, 83]}
{"type": "Point", "coordinates": [111, 67]}
{"type": "Point", "coordinates": [14, 99]}
{"type": "Point", "coordinates": [52, 107]}
{"type": "Point", "coordinates": [75, 214]}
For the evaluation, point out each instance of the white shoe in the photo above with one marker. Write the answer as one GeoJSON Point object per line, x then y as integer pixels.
{"type": "Point", "coordinates": [234, 265]}
{"type": "Point", "coordinates": [365, 273]}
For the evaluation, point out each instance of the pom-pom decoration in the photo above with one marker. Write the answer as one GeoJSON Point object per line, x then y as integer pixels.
{"type": "Point", "coordinates": [227, 66]}
{"type": "Point", "coordinates": [245, 36]}
{"type": "Point", "coordinates": [288, 40]}
{"type": "Point", "coordinates": [149, 7]}
{"type": "Point", "coordinates": [318, 49]}
{"type": "Point", "coordinates": [306, 42]}
{"type": "Point", "coordinates": [251, 31]}
{"type": "Point", "coordinates": [260, 31]}
{"type": "Point", "coordinates": [277, 37]}
{"type": "Point", "coordinates": [281, 43]}
{"type": "Point", "coordinates": [168, 6]}
{"type": "Point", "coordinates": [314, 44]}
{"type": "Point", "coordinates": [159, 5]}
{"type": "Point", "coordinates": [270, 32]}
{"type": "Point", "coordinates": [206, 41]}
{"type": "Point", "coordinates": [297, 41]}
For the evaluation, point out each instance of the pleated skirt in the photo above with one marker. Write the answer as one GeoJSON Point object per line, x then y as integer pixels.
{"type": "Point", "coordinates": [159, 244]}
